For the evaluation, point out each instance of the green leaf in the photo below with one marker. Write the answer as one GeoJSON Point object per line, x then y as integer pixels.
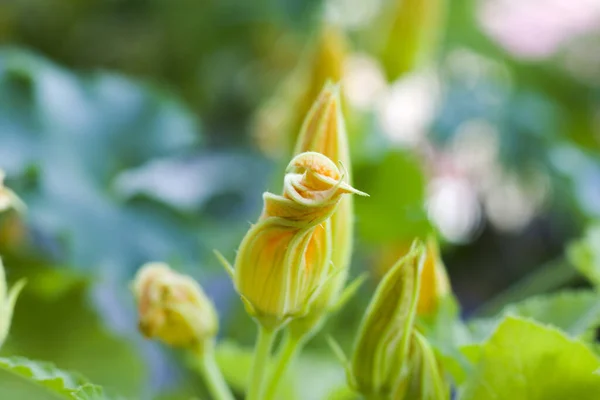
{"type": "Point", "coordinates": [524, 360]}
{"type": "Point", "coordinates": [584, 254]}
{"type": "Point", "coordinates": [64, 384]}
{"type": "Point", "coordinates": [576, 312]}
{"type": "Point", "coordinates": [64, 329]}
{"type": "Point", "coordinates": [394, 210]}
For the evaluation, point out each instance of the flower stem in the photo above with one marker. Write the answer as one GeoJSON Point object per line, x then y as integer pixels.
{"type": "Point", "coordinates": [262, 351]}
{"type": "Point", "coordinates": [212, 375]}
{"type": "Point", "coordinates": [290, 347]}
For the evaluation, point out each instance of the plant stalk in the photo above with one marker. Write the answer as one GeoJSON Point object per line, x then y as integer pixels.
{"type": "Point", "coordinates": [290, 348]}
{"type": "Point", "coordinates": [262, 351]}
{"type": "Point", "coordinates": [212, 375]}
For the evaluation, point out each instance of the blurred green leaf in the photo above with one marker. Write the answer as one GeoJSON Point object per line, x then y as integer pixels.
{"type": "Point", "coordinates": [66, 137]}
{"type": "Point", "coordinates": [395, 208]}
{"type": "Point", "coordinates": [584, 254]}
{"type": "Point", "coordinates": [62, 384]}
{"type": "Point", "coordinates": [66, 330]}
{"type": "Point", "coordinates": [575, 312]}
{"type": "Point", "coordinates": [446, 333]}
{"type": "Point", "coordinates": [524, 360]}
{"type": "Point", "coordinates": [235, 363]}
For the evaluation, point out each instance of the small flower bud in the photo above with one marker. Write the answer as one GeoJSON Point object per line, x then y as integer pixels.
{"type": "Point", "coordinates": [7, 303]}
{"type": "Point", "coordinates": [435, 284]}
{"type": "Point", "coordinates": [173, 307]}
{"type": "Point", "coordinates": [8, 199]}
{"type": "Point", "coordinates": [381, 350]}
{"type": "Point", "coordinates": [284, 260]}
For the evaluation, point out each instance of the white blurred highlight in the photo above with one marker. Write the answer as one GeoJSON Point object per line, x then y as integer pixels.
{"type": "Point", "coordinates": [474, 149]}
{"type": "Point", "coordinates": [536, 29]}
{"type": "Point", "coordinates": [352, 14]}
{"type": "Point", "coordinates": [454, 208]}
{"type": "Point", "coordinates": [511, 205]}
{"type": "Point", "coordinates": [406, 111]}
{"type": "Point", "coordinates": [363, 81]}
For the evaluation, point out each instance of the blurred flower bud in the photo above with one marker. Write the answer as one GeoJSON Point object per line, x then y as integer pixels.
{"type": "Point", "coordinates": [284, 260]}
{"type": "Point", "coordinates": [406, 34]}
{"type": "Point", "coordinates": [386, 255]}
{"type": "Point", "coordinates": [279, 120]}
{"type": "Point", "coordinates": [7, 303]}
{"type": "Point", "coordinates": [8, 198]}
{"type": "Point", "coordinates": [381, 351]}
{"type": "Point", "coordinates": [423, 379]}
{"type": "Point", "coordinates": [173, 307]}
{"type": "Point", "coordinates": [324, 131]}
{"type": "Point", "coordinates": [435, 284]}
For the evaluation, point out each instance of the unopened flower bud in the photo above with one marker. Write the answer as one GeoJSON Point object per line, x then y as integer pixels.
{"type": "Point", "coordinates": [279, 121]}
{"type": "Point", "coordinates": [381, 351]}
{"type": "Point", "coordinates": [424, 378]}
{"type": "Point", "coordinates": [407, 34]}
{"type": "Point", "coordinates": [173, 307]}
{"type": "Point", "coordinates": [324, 131]}
{"type": "Point", "coordinates": [8, 298]}
{"type": "Point", "coordinates": [284, 260]}
{"type": "Point", "coordinates": [435, 285]}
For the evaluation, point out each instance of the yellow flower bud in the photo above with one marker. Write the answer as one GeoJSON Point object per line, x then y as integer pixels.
{"type": "Point", "coordinates": [324, 131]}
{"type": "Point", "coordinates": [407, 34]}
{"type": "Point", "coordinates": [284, 260]}
{"type": "Point", "coordinates": [435, 284]}
{"type": "Point", "coordinates": [279, 121]}
{"type": "Point", "coordinates": [173, 307]}
{"type": "Point", "coordinates": [381, 351]}
{"type": "Point", "coordinates": [7, 303]}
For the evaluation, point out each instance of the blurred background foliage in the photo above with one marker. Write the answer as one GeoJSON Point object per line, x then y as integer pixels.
{"type": "Point", "coordinates": [147, 130]}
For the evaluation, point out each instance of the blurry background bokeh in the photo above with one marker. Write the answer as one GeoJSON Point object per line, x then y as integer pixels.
{"type": "Point", "coordinates": [147, 130]}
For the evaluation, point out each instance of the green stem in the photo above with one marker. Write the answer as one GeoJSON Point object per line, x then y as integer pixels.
{"type": "Point", "coordinates": [289, 349]}
{"type": "Point", "coordinates": [212, 375]}
{"type": "Point", "coordinates": [262, 351]}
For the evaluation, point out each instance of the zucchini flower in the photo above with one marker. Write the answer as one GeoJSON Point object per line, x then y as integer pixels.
{"type": "Point", "coordinates": [324, 131]}
{"type": "Point", "coordinates": [381, 351]}
{"type": "Point", "coordinates": [173, 307]}
{"type": "Point", "coordinates": [7, 303]}
{"type": "Point", "coordinates": [435, 284]}
{"type": "Point", "coordinates": [284, 260]}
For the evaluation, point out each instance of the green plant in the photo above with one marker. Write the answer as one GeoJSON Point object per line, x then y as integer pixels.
{"type": "Point", "coordinates": [290, 273]}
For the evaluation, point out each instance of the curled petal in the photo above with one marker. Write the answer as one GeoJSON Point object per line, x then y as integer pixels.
{"type": "Point", "coordinates": [285, 258]}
